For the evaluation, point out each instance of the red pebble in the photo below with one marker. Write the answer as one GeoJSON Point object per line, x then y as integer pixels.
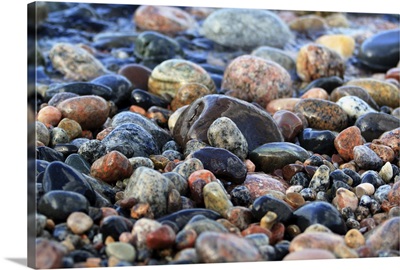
{"type": "Point", "coordinates": [111, 167]}
{"type": "Point", "coordinates": [163, 237]}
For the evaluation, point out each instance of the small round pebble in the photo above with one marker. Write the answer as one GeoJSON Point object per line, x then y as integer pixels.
{"type": "Point", "coordinates": [79, 222]}
{"type": "Point", "coordinates": [121, 251]}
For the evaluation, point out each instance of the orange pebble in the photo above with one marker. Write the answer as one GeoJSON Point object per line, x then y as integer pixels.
{"type": "Point", "coordinates": [50, 116]}
{"type": "Point", "coordinates": [206, 175]}
{"type": "Point", "coordinates": [137, 109]}
{"type": "Point", "coordinates": [316, 92]}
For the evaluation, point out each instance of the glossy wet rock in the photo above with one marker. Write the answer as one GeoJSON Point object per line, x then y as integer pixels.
{"type": "Point", "coordinates": [120, 87]}
{"type": "Point", "coordinates": [322, 213]}
{"type": "Point", "coordinates": [241, 28]}
{"type": "Point", "coordinates": [354, 106]}
{"type": "Point", "coordinates": [271, 156]}
{"type": "Point", "coordinates": [316, 61]}
{"type": "Point", "coordinates": [182, 217]}
{"type": "Point", "coordinates": [49, 115]}
{"type": "Point", "coordinates": [59, 204]}
{"type": "Point", "coordinates": [89, 111]}
{"type": "Point", "coordinates": [167, 77]}
{"type": "Point", "coordinates": [381, 51]}
{"type": "Point", "coordinates": [167, 20]}
{"type": "Point", "coordinates": [267, 203]}
{"type": "Point", "coordinates": [145, 99]}
{"type": "Point", "coordinates": [384, 93]}
{"type": "Point", "coordinates": [222, 163]}
{"type": "Point", "coordinates": [346, 140]}
{"type": "Point", "coordinates": [322, 114]}
{"type": "Point", "coordinates": [289, 123]}
{"type": "Point", "coordinates": [255, 79]}
{"type": "Point", "coordinates": [59, 176]}
{"type": "Point", "coordinates": [215, 247]}
{"type": "Point", "coordinates": [137, 74]}
{"type": "Point", "coordinates": [195, 120]}
{"type": "Point", "coordinates": [111, 167]}
{"type": "Point", "coordinates": [160, 238]}
{"type": "Point", "coordinates": [317, 141]}
{"type": "Point", "coordinates": [75, 63]}
{"type": "Point", "coordinates": [81, 89]}
{"type": "Point", "coordinates": [224, 133]}
{"type": "Point", "coordinates": [49, 254]}
{"type": "Point", "coordinates": [372, 125]}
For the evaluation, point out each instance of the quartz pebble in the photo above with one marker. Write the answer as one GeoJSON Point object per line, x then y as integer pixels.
{"type": "Point", "coordinates": [79, 222]}
{"type": "Point", "coordinates": [121, 251]}
{"type": "Point", "coordinates": [354, 106]}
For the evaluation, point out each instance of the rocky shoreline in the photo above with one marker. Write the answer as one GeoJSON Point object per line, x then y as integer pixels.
{"type": "Point", "coordinates": [170, 135]}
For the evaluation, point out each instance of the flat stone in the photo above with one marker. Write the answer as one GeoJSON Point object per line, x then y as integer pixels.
{"type": "Point", "coordinates": [246, 28]}
{"type": "Point", "coordinates": [275, 155]}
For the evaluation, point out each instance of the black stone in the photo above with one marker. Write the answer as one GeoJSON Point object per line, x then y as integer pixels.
{"type": "Point", "coordinates": [326, 83]}
{"type": "Point", "coordinates": [339, 184]}
{"type": "Point", "coordinates": [115, 225]}
{"type": "Point", "coordinates": [146, 100]}
{"type": "Point", "coordinates": [339, 175]}
{"type": "Point", "coordinates": [301, 179]}
{"type": "Point", "coordinates": [120, 86]}
{"type": "Point", "coordinates": [79, 141]}
{"type": "Point", "coordinates": [373, 178]}
{"type": "Point", "coordinates": [48, 154]}
{"type": "Point", "coordinates": [222, 163]}
{"type": "Point", "coordinates": [61, 231]}
{"type": "Point", "coordinates": [41, 165]}
{"type": "Point", "coordinates": [59, 204]}
{"type": "Point", "coordinates": [66, 149]}
{"type": "Point", "coordinates": [266, 203]}
{"type": "Point", "coordinates": [319, 212]}
{"type": "Point", "coordinates": [374, 124]}
{"type": "Point", "coordinates": [354, 175]}
{"type": "Point", "coordinates": [77, 162]}
{"type": "Point", "coordinates": [381, 51]}
{"type": "Point", "coordinates": [81, 89]}
{"type": "Point", "coordinates": [60, 176]}
{"type": "Point", "coordinates": [241, 196]}
{"type": "Point", "coordinates": [281, 250]}
{"type": "Point", "coordinates": [182, 217]}
{"type": "Point", "coordinates": [317, 141]}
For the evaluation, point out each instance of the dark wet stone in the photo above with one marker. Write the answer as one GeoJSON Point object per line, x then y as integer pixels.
{"type": "Point", "coordinates": [115, 225]}
{"type": "Point", "coordinates": [92, 150]}
{"type": "Point", "coordinates": [160, 136]}
{"type": "Point", "coordinates": [222, 163]}
{"type": "Point", "coordinates": [81, 255]}
{"type": "Point", "coordinates": [275, 155]}
{"type": "Point", "coordinates": [120, 87]}
{"type": "Point", "coordinates": [60, 97]}
{"type": "Point", "coordinates": [108, 41]}
{"type": "Point", "coordinates": [77, 162]}
{"type": "Point", "coordinates": [381, 51]}
{"type": "Point", "coordinates": [59, 204]}
{"type": "Point", "coordinates": [79, 141]}
{"type": "Point", "coordinates": [201, 224]}
{"type": "Point", "coordinates": [60, 176]}
{"type": "Point", "coordinates": [317, 141]}
{"type": "Point", "coordinates": [49, 154]}
{"type": "Point", "coordinates": [81, 89]}
{"type": "Point", "coordinates": [367, 159]}
{"type": "Point", "coordinates": [354, 175]}
{"type": "Point", "coordinates": [195, 120]}
{"type": "Point", "coordinates": [102, 188]}
{"type": "Point", "coordinates": [267, 203]}
{"type": "Point", "coordinates": [339, 184]}
{"type": "Point", "coordinates": [289, 123]}
{"type": "Point", "coordinates": [322, 114]}
{"type": "Point", "coordinates": [41, 165]}
{"type": "Point", "coordinates": [319, 212]}
{"type": "Point", "coordinates": [179, 182]}
{"type": "Point", "coordinates": [372, 125]}
{"type": "Point", "coordinates": [240, 196]}
{"type": "Point", "coordinates": [182, 217]}
{"type": "Point", "coordinates": [146, 100]}
{"type": "Point", "coordinates": [131, 140]}
{"type": "Point", "coordinates": [339, 175]}
{"type": "Point", "coordinates": [326, 83]}
{"type": "Point", "coordinates": [213, 247]}
{"type": "Point", "coordinates": [156, 47]}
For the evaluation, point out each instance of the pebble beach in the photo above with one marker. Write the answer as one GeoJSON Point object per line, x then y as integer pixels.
{"type": "Point", "coordinates": [184, 135]}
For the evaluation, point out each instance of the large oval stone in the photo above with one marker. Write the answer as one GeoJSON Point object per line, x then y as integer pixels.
{"type": "Point", "coordinates": [60, 176]}
{"type": "Point", "coordinates": [246, 28]}
{"type": "Point", "coordinates": [255, 79]}
{"type": "Point", "coordinates": [89, 111]}
{"type": "Point", "coordinates": [257, 126]}
{"type": "Point", "coordinates": [271, 156]}
{"type": "Point", "coordinates": [381, 51]}
{"type": "Point", "coordinates": [319, 212]}
{"type": "Point", "coordinates": [384, 93]}
{"type": "Point", "coordinates": [169, 76]}
{"type": "Point", "coordinates": [322, 114]}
